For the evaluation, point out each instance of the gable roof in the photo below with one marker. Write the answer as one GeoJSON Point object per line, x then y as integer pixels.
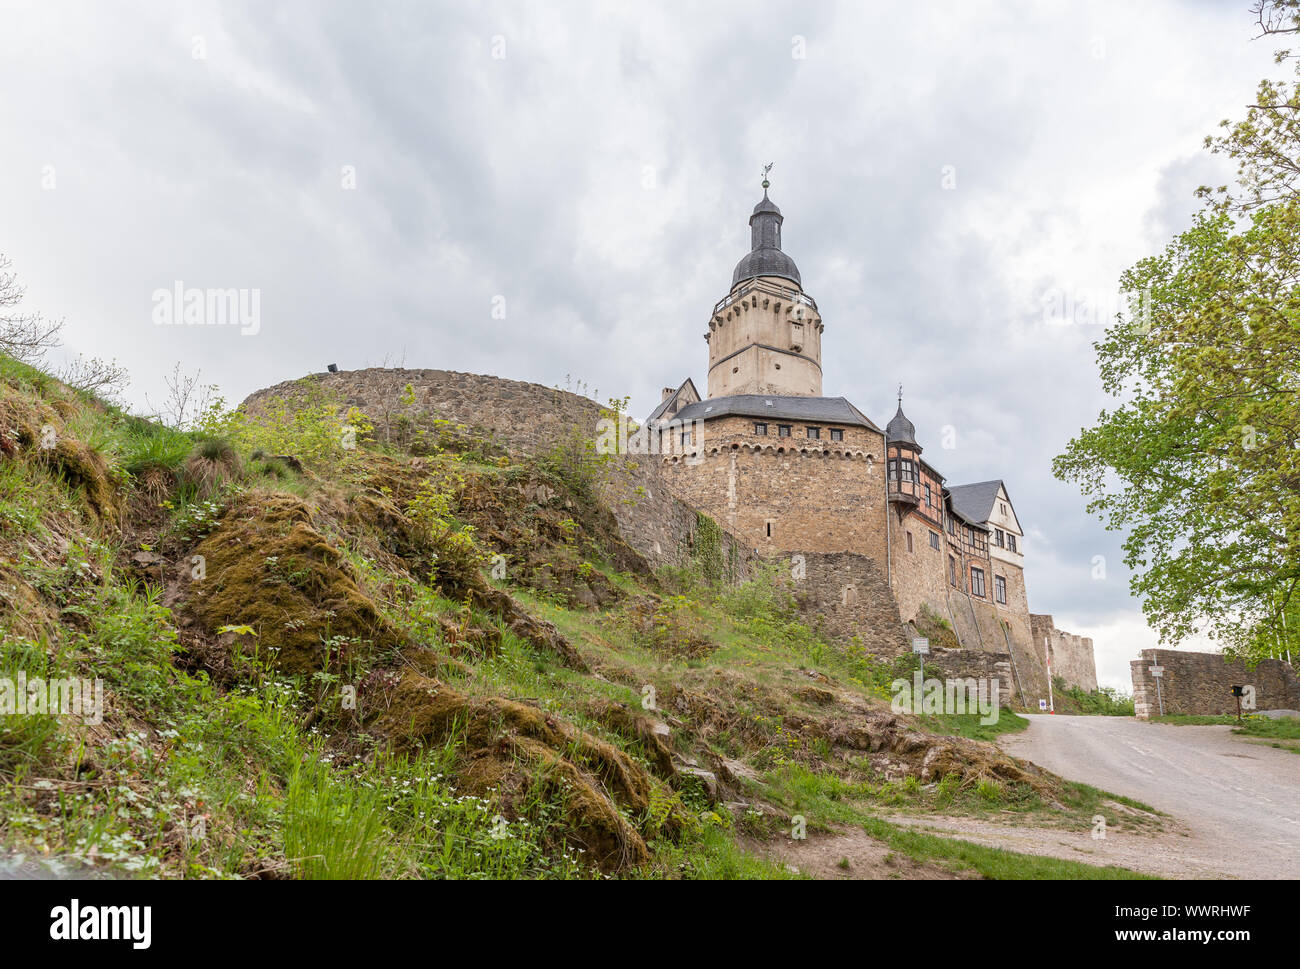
{"type": "Point", "coordinates": [824, 410]}
{"type": "Point", "coordinates": [974, 502]}
{"type": "Point", "coordinates": [668, 401]}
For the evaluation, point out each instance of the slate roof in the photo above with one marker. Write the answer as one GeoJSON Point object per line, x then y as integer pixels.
{"type": "Point", "coordinates": [766, 261]}
{"type": "Point", "coordinates": [902, 430]}
{"type": "Point", "coordinates": [664, 404]}
{"type": "Point", "coordinates": [816, 410]}
{"type": "Point", "coordinates": [765, 257]}
{"type": "Point", "coordinates": [974, 502]}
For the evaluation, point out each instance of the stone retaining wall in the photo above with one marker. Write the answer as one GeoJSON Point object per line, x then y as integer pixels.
{"type": "Point", "coordinates": [1201, 683]}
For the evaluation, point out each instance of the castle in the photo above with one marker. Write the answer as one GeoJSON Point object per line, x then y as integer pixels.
{"type": "Point", "coordinates": [882, 548]}
{"type": "Point", "coordinates": [795, 473]}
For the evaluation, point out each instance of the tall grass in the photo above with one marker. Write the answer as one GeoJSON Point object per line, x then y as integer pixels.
{"type": "Point", "coordinates": [333, 829]}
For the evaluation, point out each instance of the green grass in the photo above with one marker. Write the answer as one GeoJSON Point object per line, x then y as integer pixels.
{"type": "Point", "coordinates": [968, 725]}
{"type": "Point", "coordinates": [152, 447]}
{"type": "Point", "coordinates": [994, 863]}
{"type": "Point", "coordinates": [711, 854]}
{"type": "Point", "coordinates": [1282, 733]}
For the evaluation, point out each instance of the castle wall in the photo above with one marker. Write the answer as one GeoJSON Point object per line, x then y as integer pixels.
{"type": "Point", "coordinates": [919, 575]}
{"type": "Point", "coordinates": [1201, 683]}
{"type": "Point", "coordinates": [847, 594]}
{"type": "Point", "coordinates": [787, 494]}
{"type": "Point", "coordinates": [1071, 657]}
{"type": "Point", "coordinates": [980, 624]}
{"type": "Point", "coordinates": [963, 663]}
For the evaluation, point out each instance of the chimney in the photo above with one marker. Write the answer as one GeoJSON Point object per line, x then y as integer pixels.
{"type": "Point", "coordinates": [668, 392]}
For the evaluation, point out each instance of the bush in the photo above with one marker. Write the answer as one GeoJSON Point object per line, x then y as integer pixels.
{"type": "Point", "coordinates": [1104, 702]}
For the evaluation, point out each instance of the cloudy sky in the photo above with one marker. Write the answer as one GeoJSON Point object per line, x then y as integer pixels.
{"type": "Point", "coordinates": [384, 175]}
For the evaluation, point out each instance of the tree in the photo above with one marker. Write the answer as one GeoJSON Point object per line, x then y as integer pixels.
{"type": "Point", "coordinates": [1200, 463]}
{"type": "Point", "coordinates": [1266, 144]}
{"type": "Point", "coordinates": [30, 337]}
{"type": "Point", "coordinates": [187, 400]}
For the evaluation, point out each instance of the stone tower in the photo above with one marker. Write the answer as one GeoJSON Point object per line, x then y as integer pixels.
{"type": "Point", "coordinates": [765, 336]}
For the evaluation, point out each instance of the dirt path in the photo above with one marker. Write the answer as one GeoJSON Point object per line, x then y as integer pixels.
{"type": "Point", "coordinates": [850, 853]}
{"type": "Point", "coordinates": [1239, 803]}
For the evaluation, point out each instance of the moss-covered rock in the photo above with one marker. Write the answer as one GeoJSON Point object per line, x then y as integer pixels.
{"type": "Point", "coordinates": [509, 747]}
{"type": "Point", "coordinates": [267, 567]}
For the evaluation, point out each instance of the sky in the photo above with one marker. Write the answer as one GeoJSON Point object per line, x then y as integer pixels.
{"type": "Point", "coordinates": [559, 192]}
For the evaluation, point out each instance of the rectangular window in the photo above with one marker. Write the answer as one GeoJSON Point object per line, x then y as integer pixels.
{"type": "Point", "coordinates": [837, 434]}
{"type": "Point", "coordinates": [927, 496]}
{"type": "Point", "coordinates": [814, 433]}
{"type": "Point", "coordinates": [909, 541]}
{"type": "Point", "coordinates": [952, 526]}
{"type": "Point", "coordinates": [977, 581]}
{"type": "Point", "coordinates": [783, 430]}
{"type": "Point", "coordinates": [769, 529]}
{"type": "Point", "coordinates": [760, 429]}
{"type": "Point", "coordinates": [1011, 541]}
{"type": "Point", "coordinates": [1000, 589]}
{"type": "Point", "coordinates": [998, 537]}
{"type": "Point", "coordinates": [934, 539]}
{"type": "Point", "coordinates": [952, 571]}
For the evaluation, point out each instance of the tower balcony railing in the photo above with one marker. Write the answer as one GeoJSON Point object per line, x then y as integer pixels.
{"type": "Point", "coordinates": [755, 286]}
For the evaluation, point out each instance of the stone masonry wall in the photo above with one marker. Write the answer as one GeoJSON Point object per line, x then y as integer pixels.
{"type": "Point", "coordinates": [920, 580]}
{"type": "Point", "coordinates": [1201, 683]}
{"type": "Point", "coordinates": [787, 494]}
{"type": "Point", "coordinates": [847, 593]}
{"type": "Point", "coordinates": [964, 663]}
{"type": "Point", "coordinates": [1071, 657]}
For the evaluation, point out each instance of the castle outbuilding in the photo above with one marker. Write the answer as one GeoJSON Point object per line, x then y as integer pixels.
{"type": "Point", "coordinates": [798, 474]}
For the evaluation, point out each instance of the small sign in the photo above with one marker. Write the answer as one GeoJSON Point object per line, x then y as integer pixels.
{"type": "Point", "coordinates": [920, 645]}
{"type": "Point", "coordinates": [1042, 704]}
{"type": "Point", "coordinates": [1156, 670]}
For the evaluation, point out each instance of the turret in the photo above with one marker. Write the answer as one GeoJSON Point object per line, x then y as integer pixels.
{"type": "Point", "coordinates": [765, 335]}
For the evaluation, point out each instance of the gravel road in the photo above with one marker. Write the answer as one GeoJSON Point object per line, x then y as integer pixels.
{"type": "Point", "coordinates": [1240, 801]}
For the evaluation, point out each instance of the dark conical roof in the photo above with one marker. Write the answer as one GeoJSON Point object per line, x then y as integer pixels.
{"type": "Point", "coordinates": [765, 257]}
{"type": "Point", "coordinates": [900, 430]}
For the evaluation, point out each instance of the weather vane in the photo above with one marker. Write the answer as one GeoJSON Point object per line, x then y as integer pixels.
{"type": "Point", "coordinates": [767, 168]}
{"type": "Point", "coordinates": [900, 395]}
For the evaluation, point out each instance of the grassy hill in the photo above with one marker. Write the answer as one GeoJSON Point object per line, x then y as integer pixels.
{"type": "Point", "coordinates": [324, 656]}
